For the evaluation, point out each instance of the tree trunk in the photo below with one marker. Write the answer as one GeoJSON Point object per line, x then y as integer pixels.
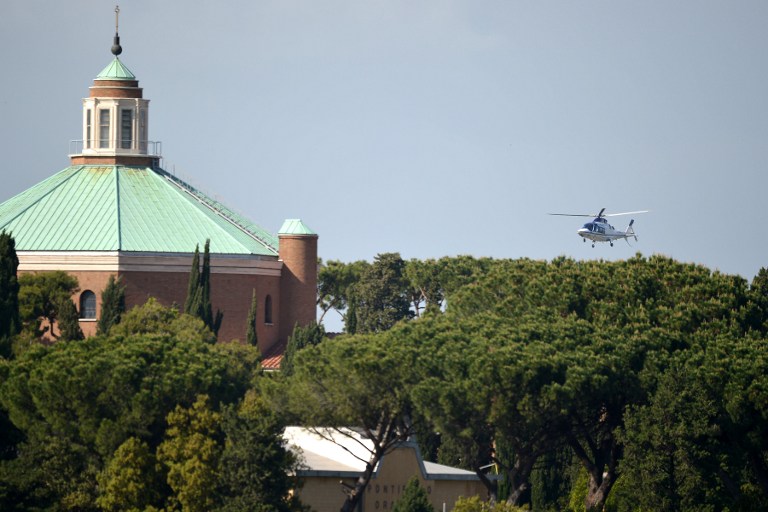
{"type": "Point", "coordinates": [598, 489]}
{"type": "Point", "coordinates": [355, 495]}
{"type": "Point", "coordinates": [489, 484]}
{"type": "Point", "coordinates": [517, 492]}
{"type": "Point", "coordinates": [519, 476]}
{"type": "Point", "coordinates": [384, 437]}
{"type": "Point", "coordinates": [600, 459]}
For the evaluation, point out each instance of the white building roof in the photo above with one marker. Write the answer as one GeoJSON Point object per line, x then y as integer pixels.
{"type": "Point", "coordinates": [343, 452]}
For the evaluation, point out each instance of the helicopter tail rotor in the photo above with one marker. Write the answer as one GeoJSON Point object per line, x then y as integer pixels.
{"type": "Point", "coordinates": [630, 231]}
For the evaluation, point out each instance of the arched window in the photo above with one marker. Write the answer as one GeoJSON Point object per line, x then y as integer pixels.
{"type": "Point", "coordinates": [268, 310]}
{"type": "Point", "coordinates": [88, 305]}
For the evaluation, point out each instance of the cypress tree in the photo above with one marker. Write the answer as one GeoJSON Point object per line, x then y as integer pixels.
{"type": "Point", "coordinates": [301, 337]}
{"type": "Point", "coordinates": [10, 321]}
{"type": "Point", "coordinates": [414, 499]}
{"type": "Point", "coordinates": [250, 335]}
{"type": "Point", "coordinates": [206, 310]}
{"type": "Point", "coordinates": [199, 291]}
{"type": "Point", "coordinates": [112, 305]}
{"type": "Point", "coordinates": [192, 305]}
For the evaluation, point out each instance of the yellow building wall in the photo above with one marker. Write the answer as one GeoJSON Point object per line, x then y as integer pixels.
{"type": "Point", "coordinates": [325, 494]}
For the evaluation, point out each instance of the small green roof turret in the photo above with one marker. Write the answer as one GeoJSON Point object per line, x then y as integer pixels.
{"type": "Point", "coordinates": [116, 70]}
{"type": "Point", "coordinates": [295, 227]}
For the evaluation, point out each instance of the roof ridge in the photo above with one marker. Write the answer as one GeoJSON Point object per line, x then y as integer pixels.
{"type": "Point", "coordinates": [208, 202]}
{"type": "Point", "coordinates": [38, 198]}
{"type": "Point", "coordinates": [117, 210]}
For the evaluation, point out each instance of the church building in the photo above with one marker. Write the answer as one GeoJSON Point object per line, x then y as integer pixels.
{"type": "Point", "coordinates": [115, 212]}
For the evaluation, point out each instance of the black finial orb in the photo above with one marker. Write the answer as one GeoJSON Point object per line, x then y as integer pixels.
{"type": "Point", "coordinates": [116, 48]}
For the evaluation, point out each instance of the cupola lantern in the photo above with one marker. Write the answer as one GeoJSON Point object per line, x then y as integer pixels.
{"type": "Point", "coordinates": [116, 118]}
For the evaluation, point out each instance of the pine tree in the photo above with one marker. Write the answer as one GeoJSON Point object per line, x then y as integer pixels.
{"type": "Point", "coordinates": [250, 335]}
{"type": "Point", "coordinates": [382, 296]}
{"type": "Point", "coordinates": [68, 320]}
{"type": "Point", "coordinates": [10, 321]}
{"type": "Point", "coordinates": [112, 305]}
{"type": "Point", "coordinates": [414, 499]}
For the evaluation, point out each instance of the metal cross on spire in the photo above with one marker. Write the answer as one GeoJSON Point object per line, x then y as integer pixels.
{"type": "Point", "coordinates": [116, 48]}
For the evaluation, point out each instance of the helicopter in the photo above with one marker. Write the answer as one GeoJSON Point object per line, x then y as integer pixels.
{"type": "Point", "coordinates": [600, 231]}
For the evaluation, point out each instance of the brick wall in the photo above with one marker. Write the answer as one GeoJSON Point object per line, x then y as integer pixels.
{"type": "Point", "coordinates": [299, 281]}
{"type": "Point", "coordinates": [230, 293]}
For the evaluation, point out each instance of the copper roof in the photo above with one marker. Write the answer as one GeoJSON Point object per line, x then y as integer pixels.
{"type": "Point", "coordinates": [130, 209]}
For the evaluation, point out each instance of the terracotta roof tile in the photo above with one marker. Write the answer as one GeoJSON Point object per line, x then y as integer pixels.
{"type": "Point", "coordinates": [272, 358]}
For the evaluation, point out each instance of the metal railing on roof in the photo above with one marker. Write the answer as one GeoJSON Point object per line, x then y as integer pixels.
{"type": "Point", "coordinates": [151, 148]}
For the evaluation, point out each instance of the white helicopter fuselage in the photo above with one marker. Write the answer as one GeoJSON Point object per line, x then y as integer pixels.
{"type": "Point", "coordinates": [600, 231]}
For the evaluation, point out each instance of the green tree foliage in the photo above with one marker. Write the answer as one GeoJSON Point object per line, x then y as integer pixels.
{"type": "Point", "coordinates": [78, 403]}
{"type": "Point", "coordinates": [301, 338]}
{"type": "Point", "coordinates": [40, 295]}
{"type": "Point", "coordinates": [425, 284]}
{"type": "Point", "coordinates": [254, 447]}
{"type": "Point", "coordinates": [198, 301]}
{"type": "Point", "coordinates": [475, 504]}
{"type": "Point", "coordinates": [413, 499]}
{"type": "Point", "coordinates": [553, 354]}
{"type": "Point", "coordinates": [552, 479]}
{"type": "Point", "coordinates": [383, 288]}
{"type": "Point", "coordinates": [361, 381]}
{"type": "Point", "coordinates": [570, 378]}
{"type": "Point", "coordinates": [194, 293]}
{"type": "Point", "coordinates": [69, 321]}
{"type": "Point", "coordinates": [350, 319]}
{"type": "Point", "coordinates": [334, 285]}
{"type": "Point", "coordinates": [699, 444]}
{"type": "Point", "coordinates": [381, 294]}
{"type": "Point", "coordinates": [112, 305]}
{"type": "Point", "coordinates": [648, 375]}
{"type": "Point", "coordinates": [157, 321]}
{"type": "Point", "coordinates": [191, 453]}
{"type": "Point", "coordinates": [10, 320]}
{"type": "Point", "coordinates": [128, 481]}
{"type": "Point", "coordinates": [250, 334]}
{"type": "Point", "coordinates": [211, 320]}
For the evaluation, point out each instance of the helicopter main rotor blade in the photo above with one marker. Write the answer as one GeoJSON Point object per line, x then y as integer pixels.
{"type": "Point", "coordinates": [573, 214]}
{"type": "Point", "coordinates": [624, 213]}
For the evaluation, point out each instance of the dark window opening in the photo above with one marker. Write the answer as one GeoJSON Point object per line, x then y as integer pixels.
{"type": "Point", "coordinates": [126, 129]}
{"type": "Point", "coordinates": [104, 128]}
{"type": "Point", "coordinates": [268, 310]}
{"type": "Point", "coordinates": [88, 305]}
{"type": "Point", "coordinates": [88, 128]}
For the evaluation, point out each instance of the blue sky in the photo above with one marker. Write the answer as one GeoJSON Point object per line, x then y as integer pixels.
{"type": "Point", "coordinates": [431, 128]}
